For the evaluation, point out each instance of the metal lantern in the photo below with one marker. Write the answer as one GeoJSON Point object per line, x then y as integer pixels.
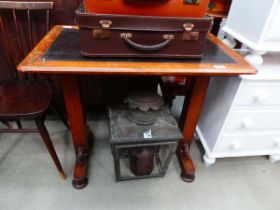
{"type": "Point", "coordinates": [143, 135]}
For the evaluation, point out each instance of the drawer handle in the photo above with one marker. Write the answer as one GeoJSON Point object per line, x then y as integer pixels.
{"type": "Point", "coordinates": [235, 145]}
{"type": "Point", "coordinates": [277, 143]}
{"type": "Point", "coordinates": [246, 123]}
{"type": "Point", "coordinates": [259, 98]}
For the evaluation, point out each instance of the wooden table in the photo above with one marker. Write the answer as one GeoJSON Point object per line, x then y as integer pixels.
{"type": "Point", "coordinates": [58, 53]}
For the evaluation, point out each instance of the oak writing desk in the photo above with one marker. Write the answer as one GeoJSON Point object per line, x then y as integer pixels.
{"type": "Point", "coordinates": [58, 53]}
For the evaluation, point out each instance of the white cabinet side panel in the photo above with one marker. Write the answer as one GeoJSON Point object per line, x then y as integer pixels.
{"type": "Point", "coordinates": [218, 102]}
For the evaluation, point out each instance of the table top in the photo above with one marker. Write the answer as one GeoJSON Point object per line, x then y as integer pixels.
{"type": "Point", "coordinates": [59, 53]}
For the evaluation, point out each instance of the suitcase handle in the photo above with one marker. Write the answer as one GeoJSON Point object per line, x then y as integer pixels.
{"type": "Point", "coordinates": [127, 38]}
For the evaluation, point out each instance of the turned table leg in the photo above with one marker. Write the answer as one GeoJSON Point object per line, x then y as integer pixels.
{"type": "Point", "coordinates": [189, 118]}
{"type": "Point", "coordinates": [78, 126]}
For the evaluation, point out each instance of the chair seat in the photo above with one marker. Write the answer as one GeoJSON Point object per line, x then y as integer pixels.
{"type": "Point", "coordinates": [21, 98]}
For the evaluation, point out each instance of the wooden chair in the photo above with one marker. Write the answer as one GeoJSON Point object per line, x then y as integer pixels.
{"type": "Point", "coordinates": [21, 97]}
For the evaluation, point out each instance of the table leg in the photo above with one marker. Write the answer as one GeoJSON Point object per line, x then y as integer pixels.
{"type": "Point", "coordinates": [189, 118]}
{"type": "Point", "coordinates": [80, 132]}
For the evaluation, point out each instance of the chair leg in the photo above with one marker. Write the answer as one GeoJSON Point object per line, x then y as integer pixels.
{"type": "Point", "coordinates": [56, 110]}
{"type": "Point", "coordinates": [46, 138]}
{"type": "Point", "coordinates": [19, 123]}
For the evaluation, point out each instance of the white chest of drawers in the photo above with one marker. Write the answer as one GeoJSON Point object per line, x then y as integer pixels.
{"type": "Point", "coordinates": [255, 23]}
{"type": "Point", "coordinates": [241, 115]}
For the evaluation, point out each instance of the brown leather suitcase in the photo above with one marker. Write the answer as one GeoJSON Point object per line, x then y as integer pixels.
{"type": "Point", "coordinates": [171, 8]}
{"type": "Point", "coordinates": [219, 8]}
{"type": "Point", "coordinates": [105, 35]}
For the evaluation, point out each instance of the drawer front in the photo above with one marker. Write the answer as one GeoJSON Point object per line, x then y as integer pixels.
{"type": "Point", "coordinates": [258, 93]}
{"type": "Point", "coordinates": [253, 120]}
{"type": "Point", "coordinates": [248, 144]}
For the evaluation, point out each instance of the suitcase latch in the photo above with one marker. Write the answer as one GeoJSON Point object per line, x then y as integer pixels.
{"type": "Point", "coordinates": [190, 35]}
{"type": "Point", "coordinates": [104, 32]}
{"type": "Point", "coordinates": [191, 2]}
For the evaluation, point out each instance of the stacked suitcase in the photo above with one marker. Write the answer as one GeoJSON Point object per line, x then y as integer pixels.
{"type": "Point", "coordinates": [143, 28]}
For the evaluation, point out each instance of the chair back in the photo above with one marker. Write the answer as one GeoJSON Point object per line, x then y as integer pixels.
{"type": "Point", "coordinates": [18, 28]}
